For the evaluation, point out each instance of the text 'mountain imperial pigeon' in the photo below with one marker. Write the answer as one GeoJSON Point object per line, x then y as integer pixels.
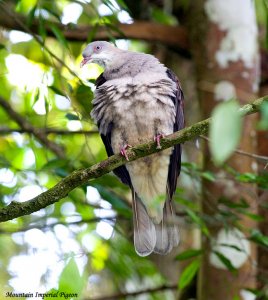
{"type": "Point", "coordinates": [138, 99]}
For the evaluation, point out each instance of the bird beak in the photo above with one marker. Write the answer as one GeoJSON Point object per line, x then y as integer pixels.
{"type": "Point", "coordinates": [85, 61]}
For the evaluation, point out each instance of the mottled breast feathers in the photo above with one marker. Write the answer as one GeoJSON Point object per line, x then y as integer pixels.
{"type": "Point", "coordinates": [175, 159]}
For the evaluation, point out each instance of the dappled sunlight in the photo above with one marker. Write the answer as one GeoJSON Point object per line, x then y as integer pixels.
{"type": "Point", "coordinates": [18, 36]}
{"type": "Point", "coordinates": [28, 159]}
{"type": "Point", "coordinates": [89, 242]}
{"type": "Point", "coordinates": [92, 195]}
{"type": "Point", "coordinates": [71, 13]}
{"type": "Point", "coordinates": [24, 74]}
{"type": "Point", "coordinates": [44, 259]}
{"type": "Point", "coordinates": [74, 125]}
{"type": "Point", "coordinates": [89, 71]}
{"type": "Point", "coordinates": [7, 178]}
{"type": "Point", "coordinates": [62, 103]}
{"type": "Point", "coordinates": [104, 229]}
{"type": "Point", "coordinates": [29, 192]}
{"type": "Point", "coordinates": [67, 208]}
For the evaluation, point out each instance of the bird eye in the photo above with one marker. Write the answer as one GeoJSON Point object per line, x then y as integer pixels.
{"type": "Point", "coordinates": [97, 48]}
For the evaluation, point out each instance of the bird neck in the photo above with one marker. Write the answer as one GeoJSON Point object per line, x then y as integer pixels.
{"type": "Point", "coordinates": [130, 64]}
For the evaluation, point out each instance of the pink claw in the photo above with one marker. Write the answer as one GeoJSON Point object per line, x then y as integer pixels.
{"type": "Point", "coordinates": [157, 139]}
{"type": "Point", "coordinates": [123, 151]}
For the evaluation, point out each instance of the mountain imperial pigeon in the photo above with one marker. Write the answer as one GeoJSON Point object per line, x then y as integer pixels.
{"type": "Point", "coordinates": [138, 99]}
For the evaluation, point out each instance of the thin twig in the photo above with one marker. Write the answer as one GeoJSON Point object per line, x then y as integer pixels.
{"type": "Point", "coordinates": [47, 226]}
{"type": "Point", "coordinates": [27, 126]}
{"type": "Point", "coordinates": [238, 151]}
{"type": "Point", "coordinates": [80, 177]}
{"type": "Point", "coordinates": [137, 293]}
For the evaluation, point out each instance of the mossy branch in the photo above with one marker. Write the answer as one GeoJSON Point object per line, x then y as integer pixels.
{"type": "Point", "coordinates": [80, 177]}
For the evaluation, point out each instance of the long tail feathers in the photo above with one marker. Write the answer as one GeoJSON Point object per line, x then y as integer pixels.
{"type": "Point", "coordinates": [167, 234]}
{"type": "Point", "coordinates": [144, 229]}
{"type": "Point", "coordinates": [150, 237]}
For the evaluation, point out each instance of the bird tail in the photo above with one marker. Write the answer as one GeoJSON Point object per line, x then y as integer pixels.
{"type": "Point", "coordinates": [144, 228]}
{"type": "Point", "coordinates": [167, 233]}
{"type": "Point", "coordinates": [150, 237]}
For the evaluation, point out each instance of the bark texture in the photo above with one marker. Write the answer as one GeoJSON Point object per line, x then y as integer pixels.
{"type": "Point", "coordinates": [263, 194]}
{"type": "Point", "coordinates": [206, 42]}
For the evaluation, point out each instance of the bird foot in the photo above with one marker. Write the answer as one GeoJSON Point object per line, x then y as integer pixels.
{"type": "Point", "coordinates": [157, 139]}
{"type": "Point", "coordinates": [123, 151]}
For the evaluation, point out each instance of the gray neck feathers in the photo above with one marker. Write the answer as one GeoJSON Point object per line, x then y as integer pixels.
{"type": "Point", "coordinates": [130, 64]}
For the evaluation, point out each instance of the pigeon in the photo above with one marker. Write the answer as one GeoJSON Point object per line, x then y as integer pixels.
{"type": "Point", "coordinates": [138, 99]}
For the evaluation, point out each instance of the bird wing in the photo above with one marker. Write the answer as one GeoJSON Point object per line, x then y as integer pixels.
{"type": "Point", "coordinates": [121, 171]}
{"type": "Point", "coordinates": [167, 234]}
{"type": "Point", "coordinates": [175, 158]}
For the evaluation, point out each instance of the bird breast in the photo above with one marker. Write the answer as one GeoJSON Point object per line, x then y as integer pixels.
{"type": "Point", "coordinates": [139, 108]}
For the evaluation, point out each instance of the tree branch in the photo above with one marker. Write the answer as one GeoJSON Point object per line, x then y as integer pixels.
{"type": "Point", "coordinates": [137, 293]}
{"type": "Point", "coordinates": [148, 31]}
{"type": "Point", "coordinates": [6, 130]}
{"type": "Point", "coordinates": [80, 177]}
{"type": "Point", "coordinates": [27, 126]}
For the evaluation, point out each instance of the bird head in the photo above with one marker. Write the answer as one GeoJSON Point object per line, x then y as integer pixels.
{"type": "Point", "coordinates": [99, 52]}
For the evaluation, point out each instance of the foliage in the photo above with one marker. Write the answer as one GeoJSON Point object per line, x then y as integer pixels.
{"type": "Point", "coordinates": [84, 243]}
{"type": "Point", "coordinates": [225, 130]}
{"type": "Point", "coordinates": [188, 274]}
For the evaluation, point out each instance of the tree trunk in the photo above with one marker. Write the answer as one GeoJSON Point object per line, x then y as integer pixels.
{"type": "Point", "coordinates": [224, 46]}
{"type": "Point", "coordinates": [263, 194]}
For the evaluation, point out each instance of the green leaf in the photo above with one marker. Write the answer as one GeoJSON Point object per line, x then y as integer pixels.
{"type": "Point", "coordinates": [241, 203]}
{"type": "Point", "coordinates": [257, 237]}
{"type": "Point", "coordinates": [71, 117]}
{"type": "Point", "coordinates": [232, 247]}
{"type": "Point", "coordinates": [247, 177]}
{"type": "Point", "coordinates": [83, 97]}
{"type": "Point", "coordinates": [225, 130]}
{"type": "Point", "coordinates": [24, 6]}
{"type": "Point", "coordinates": [189, 254]}
{"type": "Point", "coordinates": [30, 16]}
{"type": "Point", "coordinates": [263, 124]}
{"type": "Point", "coordinates": [162, 17]}
{"type": "Point", "coordinates": [92, 32]}
{"type": "Point", "coordinates": [225, 261]}
{"type": "Point", "coordinates": [2, 46]}
{"type": "Point", "coordinates": [196, 219]}
{"type": "Point", "coordinates": [36, 96]}
{"type": "Point", "coordinates": [188, 274]}
{"type": "Point", "coordinates": [42, 29]}
{"type": "Point", "coordinates": [208, 176]}
{"type": "Point", "coordinates": [261, 180]}
{"type": "Point", "coordinates": [54, 164]}
{"type": "Point", "coordinates": [122, 4]}
{"type": "Point", "coordinates": [70, 279]}
{"type": "Point", "coordinates": [254, 217]}
{"type": "Point", "coordinates": [53, 12]}
{"type": "Point", "coordinates": [56, 90]}
{"type": "Point", "coordinates": [60, 37]}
